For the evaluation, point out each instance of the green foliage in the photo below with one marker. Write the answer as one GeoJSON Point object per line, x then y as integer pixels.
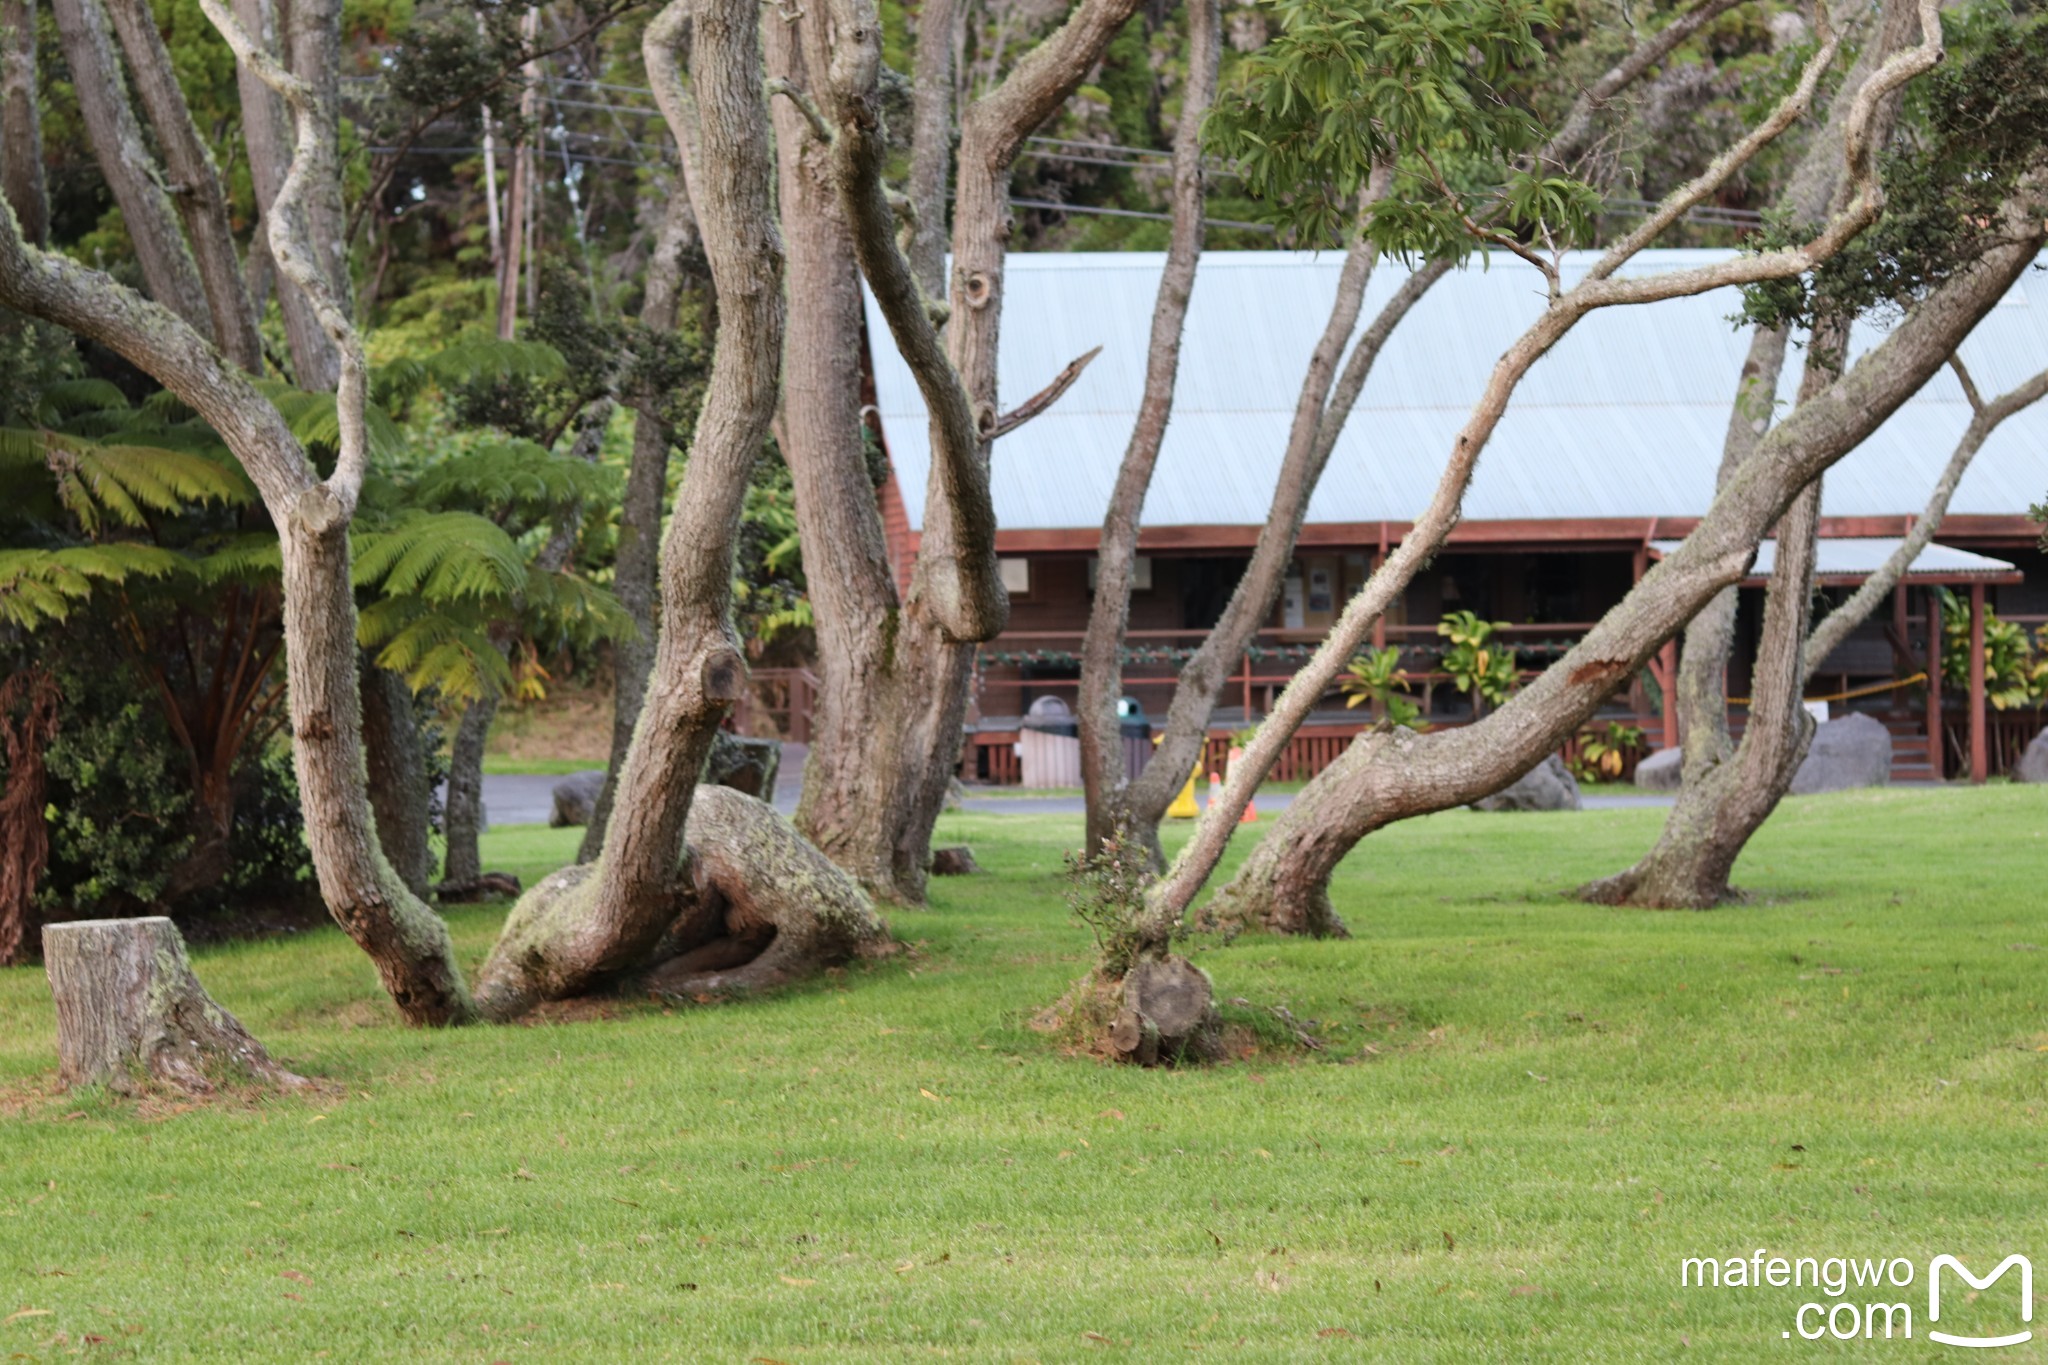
{"type": "Point", "coordinates": [2015, 667]}
{"type": "Point", "coordinates": [120, 807]}
{"type": "Point", "coordinates": [1475, 662]}
{"type": "Point", "coordinates": [1601, 755]}
{"type": "Point", "coordinates": [1972, 131]}
{"type": "Point", "coordinates": [1106, 892]}
{"type": "Point", "coordinates": [1346, 85]}
{"type": "Point", "coordinates": [1377, 677]}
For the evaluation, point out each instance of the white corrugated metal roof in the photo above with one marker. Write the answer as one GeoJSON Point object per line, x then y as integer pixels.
{"type": "Point", "coordinates": [1624, 418]}
{"type": "Point", "coordinates": [1861, 556]}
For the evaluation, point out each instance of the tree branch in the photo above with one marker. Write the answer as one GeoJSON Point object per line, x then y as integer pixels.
{"type": "Point", "coordinates": [291, 246]}
{"type": "Point", "coordinates": [1836, 626]}
{"type": "Point", "coordinates": [1044, 398]}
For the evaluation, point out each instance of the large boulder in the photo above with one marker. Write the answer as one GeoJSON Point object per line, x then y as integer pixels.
{"type": "Point", "coordinates": [1855, 751]}
{"type": "Point", "coordinates": [575, 798]}
{"type": "Point", "coordinates": [1547, 786]}
{"type": "Point", "coordinates": [2033, 764]}
{"type": "Point", "coordinates": [745, 765]}
{"type": "Point", "coordinates": [1661, 771]}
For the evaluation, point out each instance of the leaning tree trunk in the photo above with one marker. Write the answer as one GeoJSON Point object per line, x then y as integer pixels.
{"type": "Point", "coordinates": [1322, 408]}
{"type": "Point", "coordinates": [200, 201]}
{"type": "Point", "coordinates": [1716, 813]}
{"type": "Point", "coordinates": [598, 924]}
{"type": "Point", "coordinates": [267, 136]}
{"type": "Point", "coordinates": [1104, 778]}
{"type": "Point", "coordinates": [862, 768]}
{"type": "Point", "coordinates": [1389, 775]}
{"type": "Point", "coordinates": [462, 815]}
{"type": "Point", "coordinates": [397, 768]}
{"type": "Point", "coordinates": [895, 693]}
{"type": "Point", "coordinates": [21, 125]}
{"type": "Point", "coordinates": [130, 1013]}
{"type": "Point", "coordinates": [638, 562]}
{"type": "Point", "coordinates": [125, 160]}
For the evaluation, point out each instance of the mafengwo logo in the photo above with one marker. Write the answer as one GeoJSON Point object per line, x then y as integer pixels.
{"type": "Point", "coordinates": [1858, 1299]}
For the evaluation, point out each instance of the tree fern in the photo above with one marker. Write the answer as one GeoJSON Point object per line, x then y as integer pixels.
{"type": "Point", "coordinates": [41, 587]}
{"type": "Point", "coordinates": [441, 556]}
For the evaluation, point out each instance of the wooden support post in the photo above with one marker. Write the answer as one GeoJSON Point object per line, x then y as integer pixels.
{"type": "Point", "coordinates": [1247, 687]}
{"type": "Point", "coordinates": [1379, 623]}
{"type": "Point", "coordinates": [1937, 744]}
{"type": "Point", "coordinates": [1980, 749]}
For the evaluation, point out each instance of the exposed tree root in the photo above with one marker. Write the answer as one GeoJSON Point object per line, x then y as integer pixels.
{"type": "Point", "coordinates": [754, 906]}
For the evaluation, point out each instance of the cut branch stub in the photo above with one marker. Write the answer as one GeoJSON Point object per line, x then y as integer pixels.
{"type": "Point", "coordinates": [130, 1012]}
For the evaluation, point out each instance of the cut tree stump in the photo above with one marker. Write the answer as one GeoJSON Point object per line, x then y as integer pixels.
{"type": "Point", "coordinates": [130, 1012]}
{"type": "Point", "coordinates": [1168, 1014]}
{"type": "Point", "coordinates": [956, 860]}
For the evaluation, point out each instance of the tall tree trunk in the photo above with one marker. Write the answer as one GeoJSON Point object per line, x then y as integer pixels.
{"type": "Point", "coordinates": [895, 695]}
{"type": "Point", "coordinates": [587, 924]}
{"type": "Point", "coordinates": [129, 167]}
{"type": "Point", "coordinates": [1702, 690]}
{"type": "Point", "coordinates": [267, 136]}
{"type": "Point", "coordinates": [861, 708]}
{"type": "Point", "coordinates": [314, 33]}
{"type": "Point", "coordinates": [399, 794]}
{"type": "Point", "coordinates": [1104, 777]}
{"type": "Point", "coordinates": [639, 559]}
{"type": "Point", "coordinates": [1390, 774]}
{"type": "Point", "coordinates": [194, 183]}
{"type": "Point", "coordinates": [931, 142]}
{"type": "Point", "coordinates": [21, 125]}
{"type": "Point", "coordinates": [1717, 812]}
{"type": "Point", "coordinates": [462, 815]}
{"type": "Point", "coordinates": [1722, 808]}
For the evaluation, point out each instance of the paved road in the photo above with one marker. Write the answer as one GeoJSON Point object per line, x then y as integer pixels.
{"type": "Point", "coordinates": [524, 798]}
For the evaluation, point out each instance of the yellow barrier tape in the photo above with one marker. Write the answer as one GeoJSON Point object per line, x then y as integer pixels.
{"type": "Point", "coordinates": [1871, 690]}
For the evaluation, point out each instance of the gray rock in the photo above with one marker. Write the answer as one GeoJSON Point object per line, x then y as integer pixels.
{"type": "Point", "coordinates": [956, 860]}
{"type": "Point", "coordinates": [1855, 751]}
{"type": "Point", "coordinates": [1547, 786]}
{"type": "Point", "coordinates": [2033, 764]}
{"type": "Point", "coordinates": [1661, 771]}
{"type": "Point", "coordinates": [575, 797]}
{"type": "Point", "coordinates": [745, 765]}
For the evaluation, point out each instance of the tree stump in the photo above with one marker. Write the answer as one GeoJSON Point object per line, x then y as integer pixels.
{"type": "Point", "coordinates": [1168, 1014]}
{"type": "Point", "coordinates": [130, 1012]}
{"type": "Point", "coordinates": [956, 860]}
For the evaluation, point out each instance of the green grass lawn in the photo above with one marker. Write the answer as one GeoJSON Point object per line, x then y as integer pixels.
{"type": "Point", "coordinates": [1530, 1110]}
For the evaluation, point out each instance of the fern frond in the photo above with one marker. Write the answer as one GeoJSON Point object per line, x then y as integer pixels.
{"type": "Point", "coordinates": [40, 587]}
{"type": "Point", "coordinates": [248, 560]}
{"type": "Point", "coordinates": [573, 610]}
{"type": "Point", "coordinates": [469, 361]}
{"type": "Point", "coordinates": [441, 556]}
{"type": "Point", "coordinates": [449, 649]}
{"type": "Point", "coordinates": [70, 398]}
{"type": "Point", "coordinates": [518, 475]}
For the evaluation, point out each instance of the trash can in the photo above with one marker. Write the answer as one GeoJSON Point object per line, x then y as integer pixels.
{"type": "Point", "coordinates": [1048, 745]}
{"type": "Point", "coordinates": [1136, 727]}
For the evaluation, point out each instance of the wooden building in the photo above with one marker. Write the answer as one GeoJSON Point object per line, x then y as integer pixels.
{"type": "Point", "coordinates": [1604, 461]}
